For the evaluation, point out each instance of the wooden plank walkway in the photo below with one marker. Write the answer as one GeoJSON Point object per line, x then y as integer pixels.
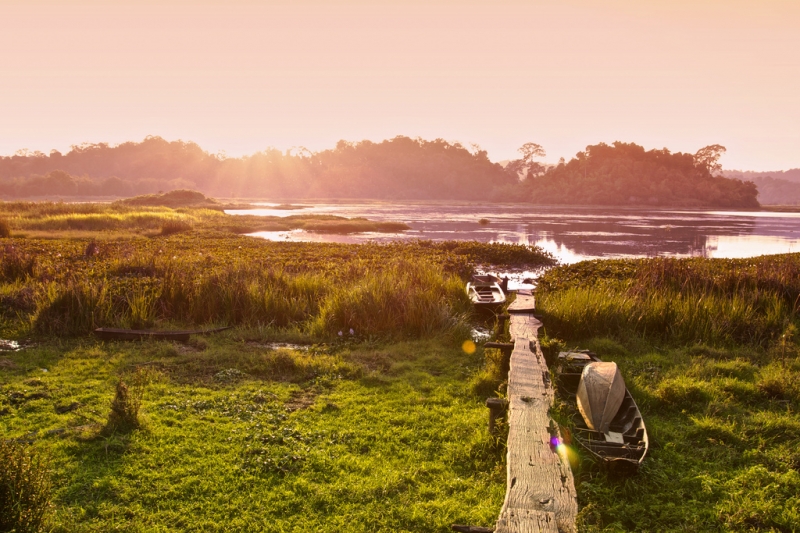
{"type": "Point", "coordinates": [540, 495]}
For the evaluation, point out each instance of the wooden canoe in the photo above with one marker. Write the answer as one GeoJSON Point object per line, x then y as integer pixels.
{"type": "Point", "coordinates": [118, 334]}
{"type": "Point", "coordinates": [485, 291]}
{"type": "Point", "coordinates": [624, 445]}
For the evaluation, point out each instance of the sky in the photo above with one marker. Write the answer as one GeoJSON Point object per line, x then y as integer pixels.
{"type": "Point", "coordinates": [239, 76]}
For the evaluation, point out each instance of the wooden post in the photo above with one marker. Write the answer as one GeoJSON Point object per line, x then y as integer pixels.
{"type": "Point", "coordinates": [501, 324]}
{"type": "Point", "coordinates": [505, 348]}
{"type": "Point", "coordinates": [497, 407]}
{"type": "Point", "coordinates": [540, 493]}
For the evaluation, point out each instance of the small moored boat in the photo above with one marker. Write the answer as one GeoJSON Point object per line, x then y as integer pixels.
{"type": "Point", "coordinates": [607, 422]}
{"type": "Point", "coordinates": [485, 291]}
{"type": "Point", "coordinates": [118, 334]}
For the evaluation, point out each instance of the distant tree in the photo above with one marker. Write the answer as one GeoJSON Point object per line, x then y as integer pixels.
{"type": "Point", "coordinates": [526, 163]}
{"type": "Point", "coordinates": [531, 150]}
{"type": "Point", "coordinates": [708, 158]}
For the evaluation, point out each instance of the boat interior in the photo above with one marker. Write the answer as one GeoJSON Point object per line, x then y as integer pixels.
{"type": "Point", "coordinates": [487, 293]}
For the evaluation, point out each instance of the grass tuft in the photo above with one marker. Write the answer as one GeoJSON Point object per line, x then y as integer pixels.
{"type": "Point", "coordinates": [16, 265]}
{"type": "Point", "coordinates": [124, 415]}
{"type": "Point", "coordinates": [25, 488]}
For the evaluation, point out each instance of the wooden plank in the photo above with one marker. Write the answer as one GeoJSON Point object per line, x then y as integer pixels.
{"type": "Point", "coordinates": [540, 495]}
{"type": "Point", "coordinates": [527, 521]}
{"type": "Point", "coordinates": [522, 303]}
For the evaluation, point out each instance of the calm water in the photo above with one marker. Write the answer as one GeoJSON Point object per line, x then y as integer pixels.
{"type": "Point", "coordinates": [571, 234]}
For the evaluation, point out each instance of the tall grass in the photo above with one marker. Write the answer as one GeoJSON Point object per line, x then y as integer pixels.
{"type": "Point", "coordinates": [680, 301]}
{"type": "Point", "coordinates": [196, 279]}
{"type": "Point", "coordinates": [103, 221]}
{"type": "Point", "coordinates": [405, 298]}
{"type": "Point", "coordinates": [396, 290]}
{"type": "Point", "coordinates": [76, 306]}
{"type": "Point", "coordinates": [171, 227]}
{"type": "Point", "coordinates": [240, 294]}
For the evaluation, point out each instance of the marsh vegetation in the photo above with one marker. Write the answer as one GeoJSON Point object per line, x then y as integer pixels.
{"type": "Point", "coordinates": [150, 215]}
{"type": "Point", "coordinates": [344, 396]}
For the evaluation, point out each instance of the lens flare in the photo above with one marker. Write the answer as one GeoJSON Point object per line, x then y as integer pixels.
{"type": "Point", "coordinates": [564, 451]}
{"type": "Point", "coordinates": [468, 347]}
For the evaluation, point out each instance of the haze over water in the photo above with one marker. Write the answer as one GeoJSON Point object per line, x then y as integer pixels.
{"type": "Point", "coordinates": [572, 234]}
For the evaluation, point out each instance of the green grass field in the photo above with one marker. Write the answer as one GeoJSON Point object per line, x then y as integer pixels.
{"type": "Point", "coordinates": [238, 436]}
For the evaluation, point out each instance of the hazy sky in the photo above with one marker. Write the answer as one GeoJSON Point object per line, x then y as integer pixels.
{"type": "Point", "coordinates": [239, 76]}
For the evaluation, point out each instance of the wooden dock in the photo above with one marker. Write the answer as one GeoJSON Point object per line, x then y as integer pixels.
{"type": "Point", "coordinates": [540, 495]}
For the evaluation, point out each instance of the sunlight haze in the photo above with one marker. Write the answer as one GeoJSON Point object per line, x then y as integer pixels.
{"type": "Point", "coordinates": [238, 77]}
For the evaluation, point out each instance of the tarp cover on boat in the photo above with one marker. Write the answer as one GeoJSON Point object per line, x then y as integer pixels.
{"type": "Point", "coordinates": [600, 393]}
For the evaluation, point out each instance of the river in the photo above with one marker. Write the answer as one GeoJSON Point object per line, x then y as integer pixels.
{"type": "Point", "coordinates": [572, 234]}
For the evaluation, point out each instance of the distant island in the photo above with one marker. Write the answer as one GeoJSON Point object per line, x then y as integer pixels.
{"type": "Point", "coordinates": [401, 168]}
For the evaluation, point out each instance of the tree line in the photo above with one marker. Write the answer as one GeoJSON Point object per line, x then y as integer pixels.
{"type": "Point", "coordinates": [401, 168]}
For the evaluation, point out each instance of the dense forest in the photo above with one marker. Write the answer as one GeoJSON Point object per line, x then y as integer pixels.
{"type": "Point", "coordinates": [624, 173]}
{"type": "Point", "coordinates": [399, 168]}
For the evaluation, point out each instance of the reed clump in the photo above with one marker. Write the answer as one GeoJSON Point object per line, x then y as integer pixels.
{"type": "Point", "coordinates": [405, 298]}
{"type": "Point", "coordinates": [25, 488]}
{"type": "Point", "coordinates": [5, 229]}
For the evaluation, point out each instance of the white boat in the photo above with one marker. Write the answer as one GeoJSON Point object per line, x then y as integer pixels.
{"type": "Point", "coordinates": [485, 291]}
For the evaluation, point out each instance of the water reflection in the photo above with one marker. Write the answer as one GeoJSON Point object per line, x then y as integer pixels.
{"type": "Point", "coordinates": [572, 234]}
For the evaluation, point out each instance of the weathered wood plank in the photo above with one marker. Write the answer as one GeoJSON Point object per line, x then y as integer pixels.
{"type": "Point", "coordinates": [527, 521]}
{"type": "Point", "coordinates": [541, 492]}
{"type": "Point", "coordinates": [522, 303]}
